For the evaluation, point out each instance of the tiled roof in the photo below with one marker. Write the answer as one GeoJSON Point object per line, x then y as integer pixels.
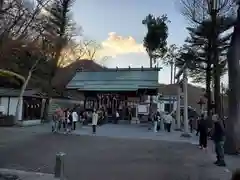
{"type": "Point", "coordinates": [8, 92]}
{"type": "Point", "coordinates": [194, 93]}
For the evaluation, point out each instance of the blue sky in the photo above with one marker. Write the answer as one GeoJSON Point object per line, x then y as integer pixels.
{"type": "Point", "coordinates": [98, 18]}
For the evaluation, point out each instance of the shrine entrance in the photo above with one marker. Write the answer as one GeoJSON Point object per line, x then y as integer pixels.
{"type": "Point", "coordinates": [110, 102]}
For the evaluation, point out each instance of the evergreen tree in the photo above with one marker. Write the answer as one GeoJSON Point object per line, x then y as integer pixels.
{"type": "Point", "coordinates": [59, 29]}
{"type": "Point", "coordinates": [198, 53]}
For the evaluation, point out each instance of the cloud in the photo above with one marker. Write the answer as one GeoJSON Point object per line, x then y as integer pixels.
{"type": "Point", "coordinates": [116, 45]}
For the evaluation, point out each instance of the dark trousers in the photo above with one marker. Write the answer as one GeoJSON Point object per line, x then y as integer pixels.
{"type": "Point", "coordinates": [168, 127]}
{"type": "Point", "coordinates": [94, 129]}
{"type": "Point", "coordinates": [74, 125]}
{"type": "Point", "coordinates": [64, 125]}
{"type": "Point", "coordinates": [165, 126]}
{"type": "Point", "coordinates": [219, 149]}
{"type": "Point", "coordinates": [203, 139]}
{"type": "Point", "coordinates": [59, 125]}
{"type": "Point", "coordinates": [197, 132]}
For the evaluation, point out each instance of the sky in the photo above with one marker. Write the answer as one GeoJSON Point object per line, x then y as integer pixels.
{"type": "Point", "coordinates": [117, 26]}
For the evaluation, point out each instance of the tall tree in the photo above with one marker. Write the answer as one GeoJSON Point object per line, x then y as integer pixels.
{"type": "Point", "coordinates": [170, 58]}
{"type": "Point", "coordinates": [155, 40]}
{"type": "Point", "coordinates": [198, 11]}
{"type": "Point", "coordinates": [200, 38]}
{"type": "Point", "coordinates": [232, 145]}
{"type": "Point", "coordinates": [59, 30]}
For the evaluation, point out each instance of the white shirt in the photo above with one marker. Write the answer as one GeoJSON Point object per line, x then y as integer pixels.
{"type": "Point", "coordinates": [94, 118]}
{"type": "Point", "coordinates": [168, 119]}
{"type": "Point", "coordinates": [74, 116]}
{"type": "Point", "coordinates": [117, 114]}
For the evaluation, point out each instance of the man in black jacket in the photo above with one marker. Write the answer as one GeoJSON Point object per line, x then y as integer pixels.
{"type": "Point", "coordinates": [219, 140]}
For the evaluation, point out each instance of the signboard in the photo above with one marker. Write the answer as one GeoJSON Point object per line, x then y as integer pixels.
{"type": "Point", "coordinates": [143, 109]}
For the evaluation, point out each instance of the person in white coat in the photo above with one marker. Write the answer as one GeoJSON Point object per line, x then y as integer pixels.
{"type": "Point", "coordinates": [74, 118]}
{"type": "Point", "coordinates": [94, 121]}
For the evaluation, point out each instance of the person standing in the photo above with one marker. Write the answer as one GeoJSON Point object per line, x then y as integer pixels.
{"type": "Point", "coordinates": [69, 121]}
{"type": "Point", "coordinates": [94, 121]}
{"type": "Point", "coordinates": [117, 117]}
{"type": "Point", "coordinates": [203, 130]}
{"type": "Point", "coordinates": [219, 140]}
{"type": "Point", "coordinates": [198, 125]}
{"type": "Point", "coordinates": [158, 117]}
{"type": "Point", "coordinates": [155, 123]}
{"type": "Point", "coordinates": [74, 118]}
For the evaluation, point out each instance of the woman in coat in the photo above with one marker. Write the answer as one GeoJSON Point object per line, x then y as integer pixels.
{"type": "Point", "coordinates": [203, 130]}
{"type": "Point", "coordinates": [94, 121]}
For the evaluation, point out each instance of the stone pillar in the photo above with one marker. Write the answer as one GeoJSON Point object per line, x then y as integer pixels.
{"type": "Point", "coordinates": [185, 91]}
{"type": "Point", "coordinates": [59, 166]}
{"type": "Point", "coordinates": [178, 115]}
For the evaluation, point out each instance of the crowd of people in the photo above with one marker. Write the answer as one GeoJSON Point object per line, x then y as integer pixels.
{"type": "Point", "coordinates": [66, 119]}
{"type": "Point", "coordinates": [216, 133]}
{"type": "Point", "coordinates": [159, 119]}
{"type": "Point", "coordinates": [206, 128]}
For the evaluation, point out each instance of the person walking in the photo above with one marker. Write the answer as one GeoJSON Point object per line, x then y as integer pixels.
{"type": "Point", "coordinates": [74, 118]}
{"type": "Point", "coordinates": [219, 140]}
{"type": "Point", "coordinates": [94, 121]}
{"type": "Point", "coordinates": [168, 119]}
{"type": "Point", "coordinates": [54, 122]}
{"type": "Point", "coordinates": [203, 130]}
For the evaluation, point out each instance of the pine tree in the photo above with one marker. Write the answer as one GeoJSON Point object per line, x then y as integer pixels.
{"type": "Point", "coordinates": [59, 29]}
{"type": "Point", "coordinates": [198, 52]}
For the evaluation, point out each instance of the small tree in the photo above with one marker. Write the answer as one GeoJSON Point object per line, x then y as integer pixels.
{"type": "Point", "coordinates": [170, 59]}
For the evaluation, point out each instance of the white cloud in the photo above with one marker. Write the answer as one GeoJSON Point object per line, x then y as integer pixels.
{"type": "Point", "coordinates": [118, 45]}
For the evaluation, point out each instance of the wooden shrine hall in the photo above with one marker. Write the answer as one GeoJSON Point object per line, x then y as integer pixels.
{"type": "Point", "coordinates": [115, 89]}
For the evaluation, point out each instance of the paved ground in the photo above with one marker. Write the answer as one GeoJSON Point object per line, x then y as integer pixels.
{"type": "Point", "coordinates": [102, 157]}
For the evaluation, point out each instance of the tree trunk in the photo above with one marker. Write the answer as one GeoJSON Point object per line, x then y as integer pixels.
{"type": "Point", "coordinates": [171, 79]}
{"type": "Point", "coordinates": [208, 89]}
{"type": "Point", "coordinates": [151, 98]}
{"type": "Point", "coordinates": [24, 86]}
{"type": "Point", "coordinates": [233, 121]}
{"type": "Point", "coordinates": [217, 96]}
{"type": "Point", "coordinates": [174, 73]}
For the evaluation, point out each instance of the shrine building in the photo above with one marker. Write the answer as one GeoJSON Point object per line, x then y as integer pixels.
{"type": "Point", "coordinates": [115, 89]}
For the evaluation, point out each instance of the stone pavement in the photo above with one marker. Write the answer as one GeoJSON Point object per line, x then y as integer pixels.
{"type": "Point", "coordinates": [143, 155]}
{"type": "Point", "coordinates": [135, 131]}
{"type": "Point", "coordinates": [23, 175]}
